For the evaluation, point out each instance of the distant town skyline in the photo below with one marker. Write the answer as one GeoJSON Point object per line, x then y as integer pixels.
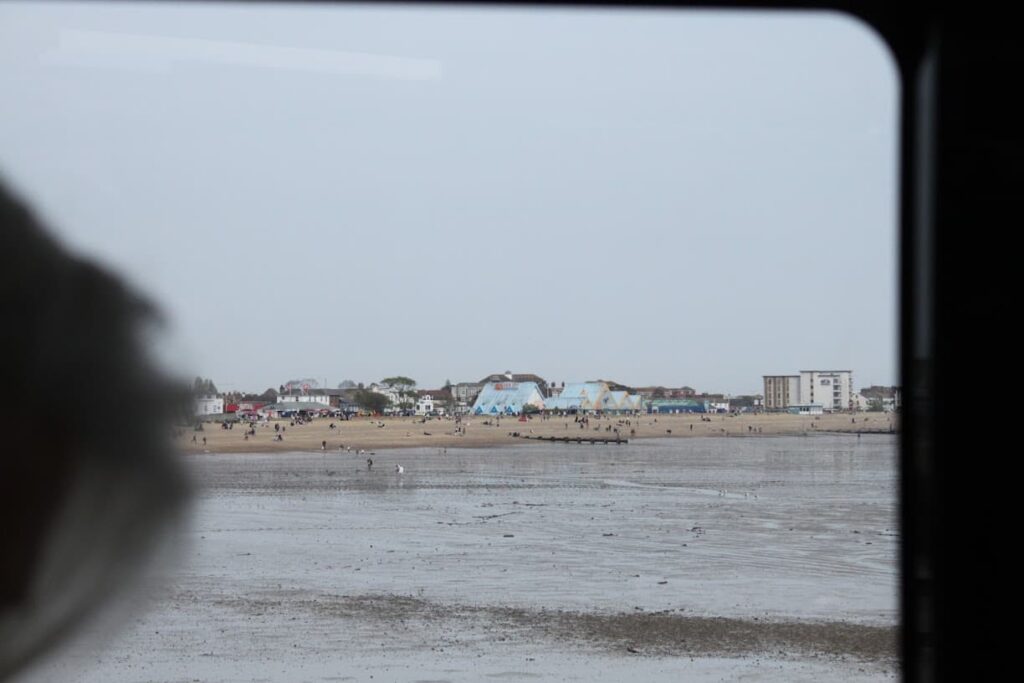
{"type": "Point", "coordinates": [315, 384]}
{"type": "Point", "coordinates": [352, 192]}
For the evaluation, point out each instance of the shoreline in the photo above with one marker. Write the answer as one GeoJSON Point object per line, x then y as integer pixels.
{"type": "Point", "coordinates": [479, 432]}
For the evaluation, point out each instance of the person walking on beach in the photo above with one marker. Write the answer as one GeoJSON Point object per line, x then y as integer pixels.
{"type": "Point", "coordinates": [323, 445]}
{"type": "Point", "coordinates": [369, 464]}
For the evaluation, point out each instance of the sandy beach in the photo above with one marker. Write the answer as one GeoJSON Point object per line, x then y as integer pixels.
{"type": "Point", "coordinates": [371, 434]}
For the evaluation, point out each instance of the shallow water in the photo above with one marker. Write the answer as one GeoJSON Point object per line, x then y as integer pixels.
{"type": "Point", "coordinates": [310, 567]}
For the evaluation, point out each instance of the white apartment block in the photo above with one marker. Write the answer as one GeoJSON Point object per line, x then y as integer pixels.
{"type": "Point", "coordinates": [209, 405]}
{"type": "Point", "coordinates": [831, 389]}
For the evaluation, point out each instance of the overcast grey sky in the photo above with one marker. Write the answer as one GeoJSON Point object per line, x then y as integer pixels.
{"type": "Point", "coordinates": [351, 192]}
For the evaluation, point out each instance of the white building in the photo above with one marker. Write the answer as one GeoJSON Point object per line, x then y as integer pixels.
{"type": "Point", "coordinates": [831, 389]}
{"type": "Point", "coordinates": [426, 405]}
{"type": "Point", "coordinates": [887, 399]}
{"type": "Point", "coordinates": [394, 396]}
{"type": "Point", "coordinates": [806, 409]}
{"type": "Point", "coordinates": [209, 405]}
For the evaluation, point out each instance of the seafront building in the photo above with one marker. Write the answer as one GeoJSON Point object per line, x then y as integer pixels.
{"type": "Point", "coordinates": [508, 398]}
{"type": "Point", "coordinates": [322, 399]}
{"type": "Point", "coordinates": [291, 408]}
{"type": "Point", "coordinates": [663, 406]}
{"type": "Point", "coordinates": [887, 399]}
{"type": "Point", "coordinates": [244, 407]}
{"type": "Point", "coordinates": [806, 409]}
{"type": "Point", "coordinates": [829, 390]}
{"type": "Point", "coordinates": [781, 391]}
{"type": "Point", "coordinates": [425, 405]}
{"type": "Point", "coordinates": [509, 376]}
{"type": "Point", "coordinates": [466, 392]}
{"type": "Point", "coordinates": [328, 398]}
{"type": "Point", "coordinates": [615, 401]}
{"type": "Point", "coordinates": [589, 397]}
{"type": "Point", "coordinates": [622, 402]}
{"type": "Point", "coordinates": [209, 405]}
{"type": "Point", "coordinates": [659, 392]}
{"type": "Point", "coordinates": [578, 397]}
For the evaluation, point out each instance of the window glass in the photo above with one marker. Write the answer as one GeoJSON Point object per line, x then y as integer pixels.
{"type": "Point", "coordinates": [645, 209]}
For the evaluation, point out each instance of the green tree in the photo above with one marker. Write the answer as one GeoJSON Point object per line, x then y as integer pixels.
{"type": "Point", "coordinates": [406, 387]}
{"type": "Point", "coordinates": [875, 405]}
{"type": "Point", "coordinates": [399, 382]}
{"type": "Point", "coordinates": [371, 400]}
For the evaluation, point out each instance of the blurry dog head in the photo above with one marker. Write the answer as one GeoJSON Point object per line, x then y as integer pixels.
{"type": "Point", "coordinates": [88, 481]}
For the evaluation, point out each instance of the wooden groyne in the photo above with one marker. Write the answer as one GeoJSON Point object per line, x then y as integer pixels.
{"type": "Point", "coordinates": [854, 431]}
{"type": "Point", "coordinates": [573, 439]}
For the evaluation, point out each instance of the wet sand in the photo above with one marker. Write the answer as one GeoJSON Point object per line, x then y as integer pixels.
{"type": "Point", "coordinates": [366, 433]}
{"type": "Point", "coordinates": [664, 560]}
